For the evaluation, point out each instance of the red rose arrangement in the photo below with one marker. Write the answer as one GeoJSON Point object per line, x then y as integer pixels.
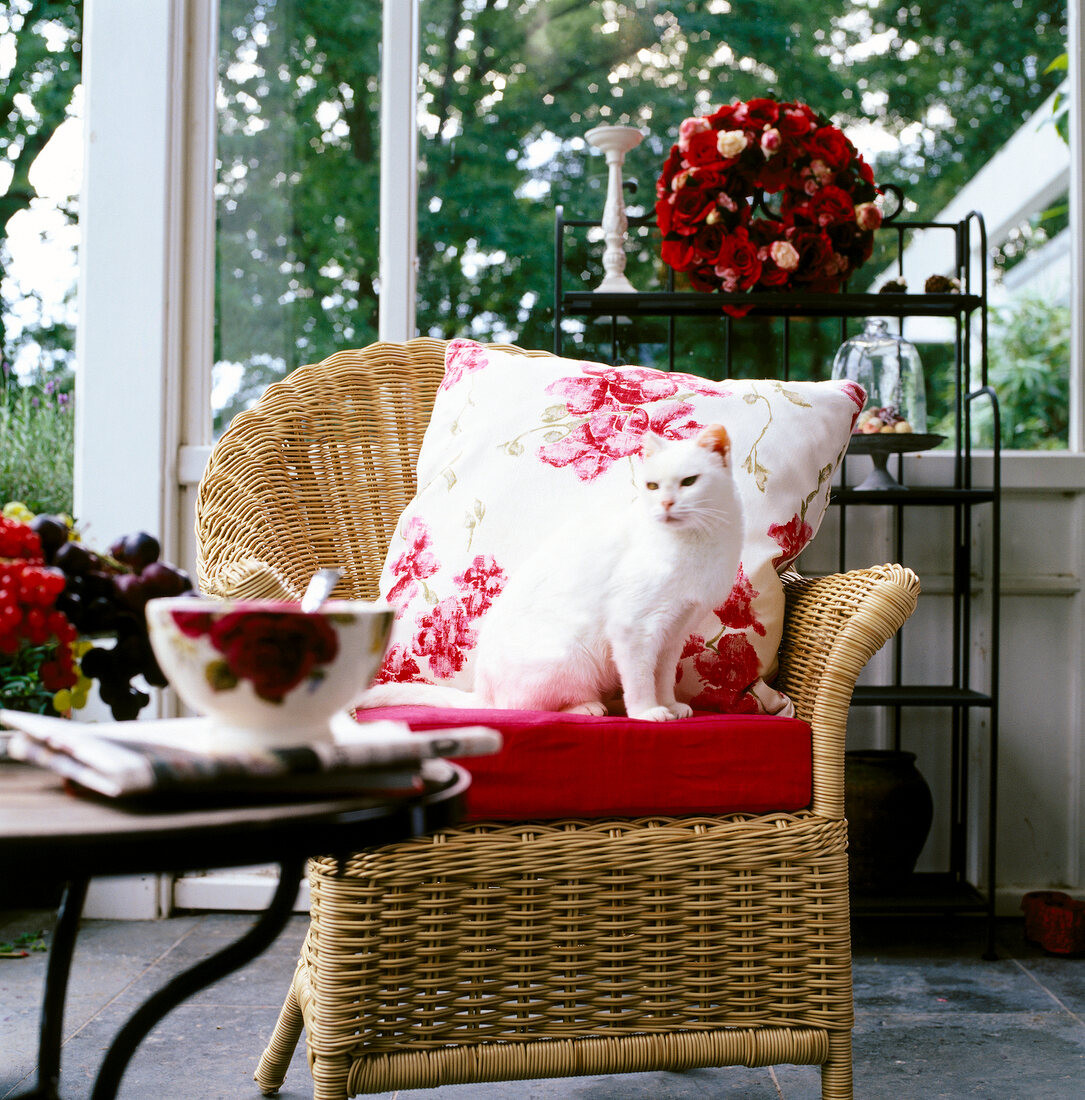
{"type": "Point", "coordinates": [710, 201]}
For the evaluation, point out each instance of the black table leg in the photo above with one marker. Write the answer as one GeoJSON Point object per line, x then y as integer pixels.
{"type": "Point", "coordinates": [51, 1033]}
{"type": "Point", "coordinates": [257, 939]}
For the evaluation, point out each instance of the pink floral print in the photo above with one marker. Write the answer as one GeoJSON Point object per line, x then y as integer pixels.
{"type": "Point", "coordinates": [613, 388]}
{"type": "Point", "coordinates": [618, 407]}
{"type": "Point", "coordinates": [694, 644]}
{"type": "Point", "coordinates": [413, 566]}
{"type": "Point", "coordinates": [791, 537]}
{"type": "Point", "coordinates": [727, 672]}
{"type": "Point", "coordinates": [854, 391]}
{"type": "Point", "coordinates": [695, 384]}
{"type": "Point", "coordinates": [479, 584]}
{"type": "Point", "coordinates": [737, 611]}
{"type": "Point", "coordinates": [462, 357]}
{"type": "Point", "coordinates": [446, 634]}
{"type": "Point", "coordinates": [728, 664]}
{"type": "Point", "coordinates": [399, 666]}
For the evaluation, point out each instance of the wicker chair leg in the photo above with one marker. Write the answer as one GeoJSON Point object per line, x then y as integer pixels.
{"type": "Point", "coordinates": [330, 1076]}
{"type": "Point", "coordinates": [274, 1062]}
{"type": "Point", "coordinates": [836, 1070]}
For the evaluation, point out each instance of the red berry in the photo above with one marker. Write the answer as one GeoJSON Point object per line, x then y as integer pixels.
{"type": "Point", "coordinates": [35, 626]}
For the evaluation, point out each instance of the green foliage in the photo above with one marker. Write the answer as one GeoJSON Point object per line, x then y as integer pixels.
{"type": "Point", "coordinates": [1060, 109]}
{"type": "Point", "coordinates": [969, 73]}
{"type": "Point", "coordinates": [23, 944]}
{"type": "Point", "coordinates": [37, 434]}
{"type": "Point", "coordinates": [1029, 370]}
{"type": "Point", "coordinates": [42, 39]}
{"type": "Point", "coordinates": [20, 680]}
{"type": "Point", "coordinates": [507, 90]}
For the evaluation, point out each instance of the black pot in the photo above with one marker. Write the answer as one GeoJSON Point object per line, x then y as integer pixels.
{"type": "Point", "coordinates": [889, 810]}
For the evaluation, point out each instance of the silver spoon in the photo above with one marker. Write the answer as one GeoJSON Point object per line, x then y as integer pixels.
{"type": "Point", "coordinates": [320, 588]}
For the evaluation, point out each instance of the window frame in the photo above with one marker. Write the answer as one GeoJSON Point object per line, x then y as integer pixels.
{"type": "Point", "coordinates": [147, 315]}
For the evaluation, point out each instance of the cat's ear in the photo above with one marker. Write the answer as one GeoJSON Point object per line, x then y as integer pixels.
{"type": "Point", "coordinates": [715, 438]}
{"type": "Point", "coordinates": [650, 444]}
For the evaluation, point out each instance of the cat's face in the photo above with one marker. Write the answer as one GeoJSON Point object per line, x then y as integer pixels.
{"type": "Point", "coordinates": [687, 482]}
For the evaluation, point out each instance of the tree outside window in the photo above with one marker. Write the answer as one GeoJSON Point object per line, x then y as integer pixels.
{"type": "Point", "coordinates": [507, 89]}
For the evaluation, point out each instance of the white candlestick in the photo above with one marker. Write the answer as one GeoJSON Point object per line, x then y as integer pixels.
{"type": "Point", "coordinates": [615, 142]}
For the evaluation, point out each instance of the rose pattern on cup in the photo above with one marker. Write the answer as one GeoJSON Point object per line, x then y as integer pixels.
{"type": "Point", "coordinates": [276, 652]}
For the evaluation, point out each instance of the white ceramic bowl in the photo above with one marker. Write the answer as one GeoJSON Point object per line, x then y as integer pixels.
{"type": "Point", "coordinates": [267, 673]}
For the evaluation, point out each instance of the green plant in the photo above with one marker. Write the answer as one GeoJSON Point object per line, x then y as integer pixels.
{"type": "Point", "coordinates": [1060, 108]}
{"type": "Point", "coordinates": [37, 437]}
{"type": "Point", "coordinates": [1029, 369]}
{"type": "Point", "coordinates": [21, 686]}
{"type": "Point", "coordinates": [21, 946]}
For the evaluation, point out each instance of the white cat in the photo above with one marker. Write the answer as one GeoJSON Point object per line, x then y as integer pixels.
{"type": "Point", "coordinates": [608, 609]}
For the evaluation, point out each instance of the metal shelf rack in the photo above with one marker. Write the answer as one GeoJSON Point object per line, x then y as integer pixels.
{"type": "Point", "coordinates": [948, 891]}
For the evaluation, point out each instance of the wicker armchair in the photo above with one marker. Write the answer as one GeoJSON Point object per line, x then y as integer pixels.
{"type": "Point", "coordinates": [496, 952]}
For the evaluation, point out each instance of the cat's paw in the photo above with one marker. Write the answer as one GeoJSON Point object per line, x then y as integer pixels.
{"type": "Point", "coordinates": [594, 708]}
{"type": "Point", "coordinates": [680, 710]}
{"type": "Point", "coordinates": [653, 714]}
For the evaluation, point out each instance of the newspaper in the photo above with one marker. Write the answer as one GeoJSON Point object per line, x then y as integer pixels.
{"type": "Point", "coordinates": [172, 756]}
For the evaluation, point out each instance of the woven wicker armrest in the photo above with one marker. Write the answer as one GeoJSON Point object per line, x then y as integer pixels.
{"type": "Point", "coordinates": [251, 579]}
{"type": "Point", "coordinates": [832, 626]}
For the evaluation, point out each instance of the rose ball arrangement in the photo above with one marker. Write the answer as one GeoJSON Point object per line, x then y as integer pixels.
{"type": "Point", "coordinates": [60, 600]}
{"type": "Point", "coordinates": [722, 232]}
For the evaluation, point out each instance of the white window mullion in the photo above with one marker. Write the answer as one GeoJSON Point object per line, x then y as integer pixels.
{"type": "Point", "coordinates": [195, 256]}
{"type": "Point", "coordinates": [122, 459]}
{"type": "Point", "coordinates": [1076, 55]}
{"type": "Point", "coordinates": [398, 176]}
{"type": "Point", "coordinates": [135, 274]}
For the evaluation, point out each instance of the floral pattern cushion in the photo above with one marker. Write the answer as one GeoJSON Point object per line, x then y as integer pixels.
{"type": "Point", "coordinates": [518, 444]}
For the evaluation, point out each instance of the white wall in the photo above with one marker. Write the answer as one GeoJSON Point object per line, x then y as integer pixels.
{"type": "Point", "coordinates": [1041, 774]}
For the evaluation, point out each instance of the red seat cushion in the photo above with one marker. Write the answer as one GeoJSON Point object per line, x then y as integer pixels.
{"type": "Point", "coordinates": [573, 765]}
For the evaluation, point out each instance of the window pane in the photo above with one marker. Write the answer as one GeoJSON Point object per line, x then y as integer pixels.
{"type": "Point", "coordinates": [40, 178]}
{"type": "Point", "coordinates": [297, 189]}
{"type": "Point", "coordinates": [929, 92]}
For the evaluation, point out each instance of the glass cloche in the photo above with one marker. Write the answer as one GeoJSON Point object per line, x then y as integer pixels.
{"type": "Point", "coordinates": [888, 367]}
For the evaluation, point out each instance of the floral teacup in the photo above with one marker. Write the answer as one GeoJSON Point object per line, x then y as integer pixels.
{"type": "Point", "coordinates": [265, 672]}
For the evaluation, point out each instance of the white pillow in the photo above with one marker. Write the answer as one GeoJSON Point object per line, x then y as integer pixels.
{"type": "Point", "coordinates": [517, 444]}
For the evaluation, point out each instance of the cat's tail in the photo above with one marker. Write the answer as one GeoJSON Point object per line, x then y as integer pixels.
{"type": "Point", "coordinates": [418, 694]}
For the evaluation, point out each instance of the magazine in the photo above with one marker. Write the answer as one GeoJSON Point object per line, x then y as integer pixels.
{"type": "Point", "coordinates": [132, 759]}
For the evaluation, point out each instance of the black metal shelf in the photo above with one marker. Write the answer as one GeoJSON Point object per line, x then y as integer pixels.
{"type": "Point", "coordinates": [946, 891]}
{"type": "Point", "coordinates": [922, 894]}
{"type": "Point", "coordinates": [677, 303]}
{"type": "Point", "coordinates": [919, 695]}
{"type": "Point", "coordinates": [904, 495]}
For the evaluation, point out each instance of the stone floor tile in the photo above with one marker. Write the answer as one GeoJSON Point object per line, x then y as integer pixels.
{"type": "Point", "coordinates": [734, 1082]}
{"type": "Point", "coordinates": [204, 1051]}
{"type": "Point", "coordinates": [1063, 978]}
{"type": "Point", "coordinates": [933, 1020]}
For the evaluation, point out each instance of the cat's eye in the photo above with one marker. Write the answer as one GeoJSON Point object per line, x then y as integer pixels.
{"type": "Point", "coordinates": [652, 485]}
{"type": "Point", "coordinates": [688, 481]}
